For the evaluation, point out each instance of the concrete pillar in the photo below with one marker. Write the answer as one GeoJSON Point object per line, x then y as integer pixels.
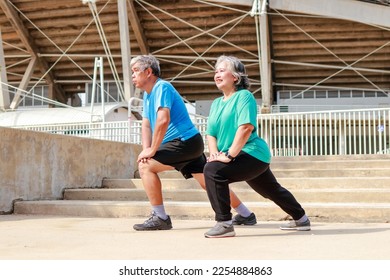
{"type": "Point", "coordinates": [4, 93]}
{"type": "Point", "coordinates": [125, 49]}
{"type": "Point", "coordinates": [259, 10]}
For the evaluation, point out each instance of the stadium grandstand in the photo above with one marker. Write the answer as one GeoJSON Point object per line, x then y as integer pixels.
{"type": "Point", "coordinates": [318, 58]}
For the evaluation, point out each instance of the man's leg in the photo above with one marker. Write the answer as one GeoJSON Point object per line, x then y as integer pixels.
{"type": "Point", "coordinates": [152, 184]}
{"type": "Point", "coordinates": [151, 181]}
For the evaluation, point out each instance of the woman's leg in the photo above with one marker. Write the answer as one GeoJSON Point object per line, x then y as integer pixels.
{"type": "Point", "coordinates": [219, 175]}
{"type": "Point", "coordinates": [267, 186]}
{"type": "Point", "coordinates": [234, 200]}
{"type": "Point", "coordinates": [217, 187]}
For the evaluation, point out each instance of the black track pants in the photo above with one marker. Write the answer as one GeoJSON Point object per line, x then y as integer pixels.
{"type": "Point", "coordinates": [257, 174]}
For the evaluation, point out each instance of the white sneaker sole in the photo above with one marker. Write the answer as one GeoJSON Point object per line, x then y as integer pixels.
{"type": "Point", "coordinates": [228, 234]}
{"type": "Point", "coordinates": [305, 228]}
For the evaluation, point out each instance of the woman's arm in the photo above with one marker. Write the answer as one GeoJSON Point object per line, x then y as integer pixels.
{"type": "Point", "coordinates": [242, 135]}
{"type": "Point", "coordinates": [213, 148]}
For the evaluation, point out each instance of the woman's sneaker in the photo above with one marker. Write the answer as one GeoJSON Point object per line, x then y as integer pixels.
{"type": "Point", "coordinates": [154, 223]}
{"type": "Point", "coordinates": [294, 225]}
{"type": "Point", "coordinates": [220, 230]}
{"type": "Point", "coordinates": [248, 221]}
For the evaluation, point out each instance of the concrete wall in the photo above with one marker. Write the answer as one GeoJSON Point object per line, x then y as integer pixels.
{"type": "Point", "coordinates": [35, 165]}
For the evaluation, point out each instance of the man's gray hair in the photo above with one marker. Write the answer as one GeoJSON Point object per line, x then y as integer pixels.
{"type": "Point", "coordinates": [147, 61]}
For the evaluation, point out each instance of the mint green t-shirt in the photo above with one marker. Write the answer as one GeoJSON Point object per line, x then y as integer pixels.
{"type": "Point", "coordinates": [226, 116]}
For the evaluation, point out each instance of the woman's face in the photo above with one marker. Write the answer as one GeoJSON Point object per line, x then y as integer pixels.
{"type": "Point", "coordinates": [223, 78]}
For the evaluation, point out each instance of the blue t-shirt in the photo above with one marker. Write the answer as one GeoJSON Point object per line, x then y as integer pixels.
{"type": "Point", "coordinates": [164, 95]}
{"type": "Point", "coordinates": [225, 118]}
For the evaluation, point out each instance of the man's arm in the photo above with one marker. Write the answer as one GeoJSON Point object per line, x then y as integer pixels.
{"type": "Point", "coordinates": [146, 133]}
{"type": "Point", "coordinates": [151, 143]}
{"type": "Point", "coordinates": [162, 122]}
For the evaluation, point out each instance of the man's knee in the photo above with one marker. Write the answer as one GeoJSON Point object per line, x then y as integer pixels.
{"type": "Point", "coordinates": [143, 168]}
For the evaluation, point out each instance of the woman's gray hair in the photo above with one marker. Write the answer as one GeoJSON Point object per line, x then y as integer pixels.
{"type": "Point", "coordinates": [145, 62]}
{"type": "Point", "coordinates": [237, 68]}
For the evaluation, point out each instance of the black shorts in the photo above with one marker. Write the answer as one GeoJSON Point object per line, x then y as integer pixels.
{"type": "Point", "coordinates": [185, 156]}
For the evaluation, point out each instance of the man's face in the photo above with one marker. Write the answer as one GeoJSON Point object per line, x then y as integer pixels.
{"type": "Point", "coordinates": [139, 76]}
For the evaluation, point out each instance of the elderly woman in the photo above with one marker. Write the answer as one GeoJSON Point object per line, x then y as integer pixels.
{"type": "Point", "coordinates": [237, 153]}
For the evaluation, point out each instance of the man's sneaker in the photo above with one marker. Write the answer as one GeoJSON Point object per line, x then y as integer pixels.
{"type": "Point", "coordinates": [154, 223]}
{"type": "Point", "coordinates": [248, 221]}
{"type": "Point", "coordinates": [220, 230]}
{"type": "Point", "coordinates": [294, 225]}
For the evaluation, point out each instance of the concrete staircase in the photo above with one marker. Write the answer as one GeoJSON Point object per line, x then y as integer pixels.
{"type": "Point", "coordinates": [332, 188]}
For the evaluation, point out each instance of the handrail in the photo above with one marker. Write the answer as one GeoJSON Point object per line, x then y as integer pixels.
{"type": "Point", "coordinates": [338, 132]}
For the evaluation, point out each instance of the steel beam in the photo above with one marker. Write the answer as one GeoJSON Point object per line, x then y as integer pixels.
{"type": "Point", "coordinates": [31, 47]}
{"type": "Point", "coordinates": [24, 83]}
{"type": "Point", "coordinates": [352, 10]}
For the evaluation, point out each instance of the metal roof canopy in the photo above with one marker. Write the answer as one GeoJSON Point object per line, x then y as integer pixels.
{"type": "Point", "coordinates": [186, 36]}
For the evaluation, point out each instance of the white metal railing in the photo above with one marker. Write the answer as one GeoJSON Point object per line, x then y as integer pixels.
{"type": "Point", "coordinates": [350, 132]}
{"type": "Point", "coordinates": [119, 131]}
{"type": "Point", "coordinates": [110, 131]}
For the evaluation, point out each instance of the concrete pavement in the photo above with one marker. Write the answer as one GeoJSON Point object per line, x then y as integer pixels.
{"type": "Point", "coordinates": [25, 237]}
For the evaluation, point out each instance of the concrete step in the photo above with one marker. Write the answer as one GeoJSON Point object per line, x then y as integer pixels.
{"type": "Point", "coordinates": [337, 189]}
{"type": "Point", "coordinates": [319, 173]}
{"type": "Point", "coordinates": [330, 164]}
{"type": "Point", "coordinates": [336, 182]}
{"type": "Point", "coordinates": [265, 211]}
{"type": "Point", "coordinates": [335, 158]}
{"type": "Point", "coordinates": [322, 166]}
{"type": "Point", "coordinates": [292, 183]}
{"type": "Point", "coordinates": [310, 172]}
{"type": "Point", "coordinates": [313, 172]}
{"type": "Point", "coordinates": [302, 195]}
